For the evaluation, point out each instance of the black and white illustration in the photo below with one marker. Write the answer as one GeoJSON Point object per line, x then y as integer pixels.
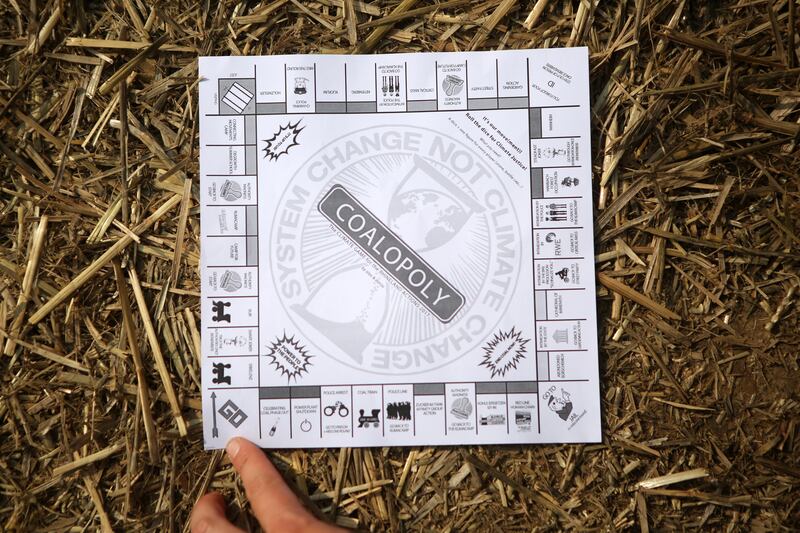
{"type": "Point", "coordinates": [556, 213]}
{"type": "Point", "coordinates": [276, 420]}
{"type": "Point", "coordinates": [227, 220]}
{"type": "Point", "coordinates": [396, 249]}
{"type": "Point", "coordinates": [557, 152]}
{"type": "Point", "coordinates": [229, 340]}
{"type": "Point", "coordinates": [218, 308]}
{"type": "Point", "coordinates": [229, 284]}
{"type": "Point", "coordinates": [452, 84]}
{"type": "Point", "coordinates": [219, 373]}
{"type": "Point", "coordinates": [504, 351]}
{"type": "Point", "coordinates": [214, 426]}
{"type": "Point", "coordinates": [560, 404]}
{"type": "Point", "coordinates": [338, 416]}
{"type": "Point", "coordinates": [289, 358]}
{"type": "Point", "coordinates": [237, 95]}
{"type": "Point", "coordinates": [304, 413]}
{"type": "Point", "coordinates": [231, 281]}
{"type": "Point", "coordinates": [557, 243]}
{"type": "Point", "coordinates": [461, 408]}
{"type": "Point", "coordinates": [391, 86]}
{"type": "Point", "coordinates": [560, 335]}
{"type": "Point", "coordinates": [231, 372]}
{"type": "Point", "coordinates": [228, 311]}
{"type": "Point", "coordinates": [398, 411]}
{"type": "Point", "coordinates": [274, 428]}
{"type": "Point", "coordinates": [230, 190]}
{"type": "Point", "coordinates": [232, 413]}
{"type": "Point", "coordinates": [493, 420]}
{"type": "Point", "coordinates": [558, 182]}
{"type": "Point", "coordinates": [369, 418]}
{"type": "Point", "coordinates": [337, 408]}
{"type": "Point", "coordinates": [451, 87]}
{"type": "Point", "coordinates": [566, 407]}
{"type": "Point", "coordinates": [557, 273]}
{"type": "Point", "coordinates": [283, 140]}
{"type": "Point", "coordinates": [373, 238]}
{"type": "Point", "coordinates": [491, 408]}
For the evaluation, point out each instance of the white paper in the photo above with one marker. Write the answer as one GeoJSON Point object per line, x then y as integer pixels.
{"type": "Point", "coordinates": [397, 249]}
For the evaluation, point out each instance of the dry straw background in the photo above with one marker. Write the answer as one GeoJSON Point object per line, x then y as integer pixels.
{"type": "Point", "coordinates": [696, 119]}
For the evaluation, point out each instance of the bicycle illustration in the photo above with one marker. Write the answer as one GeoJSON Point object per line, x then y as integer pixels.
{"type": "Point", "coordinates": [338, 407]}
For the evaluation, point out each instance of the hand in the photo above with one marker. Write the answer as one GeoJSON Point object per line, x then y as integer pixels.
{"type": "Point", "coordinates": [276, 507]}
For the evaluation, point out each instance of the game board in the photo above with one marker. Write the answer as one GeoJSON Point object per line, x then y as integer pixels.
{"type": "Point", "coordinates": [398, 249]}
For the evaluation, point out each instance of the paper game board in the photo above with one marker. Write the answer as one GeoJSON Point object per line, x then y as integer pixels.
{"type": "Point", "coordinates": [397, 249]}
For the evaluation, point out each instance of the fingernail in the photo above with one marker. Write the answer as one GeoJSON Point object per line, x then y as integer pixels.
{"type": "Point", "coordinates": [233, 448]}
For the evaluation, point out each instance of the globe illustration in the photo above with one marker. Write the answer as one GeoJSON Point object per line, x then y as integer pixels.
{"type": "Point", "coordinates": [426, 219]}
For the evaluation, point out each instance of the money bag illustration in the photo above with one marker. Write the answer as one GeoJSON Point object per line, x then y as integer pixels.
{"type": "Point", "coordinates": [426, 210]}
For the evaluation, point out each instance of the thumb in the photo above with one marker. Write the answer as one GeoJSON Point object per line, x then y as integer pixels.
{"type": "Point", "coordinates": [208, 516]}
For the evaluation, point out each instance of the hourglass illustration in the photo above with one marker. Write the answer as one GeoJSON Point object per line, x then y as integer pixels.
{"type": "Point", "coordinates": [348, 307]}
{"type": "Point", "coordinates": [426, 211]}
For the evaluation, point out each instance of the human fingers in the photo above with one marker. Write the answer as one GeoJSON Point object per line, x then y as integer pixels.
{"type": "Point", "coordinates": [273, 502]}
{"type": "Point", "coordinates": [208, 516]}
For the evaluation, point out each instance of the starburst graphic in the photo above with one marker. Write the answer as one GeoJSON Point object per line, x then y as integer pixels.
{"type": "Point", "coordinates": [280, 143]}
{"type": "Point", "coordinates": [504, 352]}
{"type": "Point", "coordinates": [289, 357]}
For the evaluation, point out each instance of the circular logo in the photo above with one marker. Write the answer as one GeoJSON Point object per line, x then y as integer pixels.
{"type": "Point", "coordinates": [395, 250]}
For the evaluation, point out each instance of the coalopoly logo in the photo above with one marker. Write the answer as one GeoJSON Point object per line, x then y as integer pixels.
{"type": "Point", "coordinates": [393, 249]}
{"type": "Point", "coordinates": [391, 253]}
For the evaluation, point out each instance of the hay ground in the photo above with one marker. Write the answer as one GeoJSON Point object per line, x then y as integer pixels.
{"type": "Point", "coordinates": [696, 119]}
